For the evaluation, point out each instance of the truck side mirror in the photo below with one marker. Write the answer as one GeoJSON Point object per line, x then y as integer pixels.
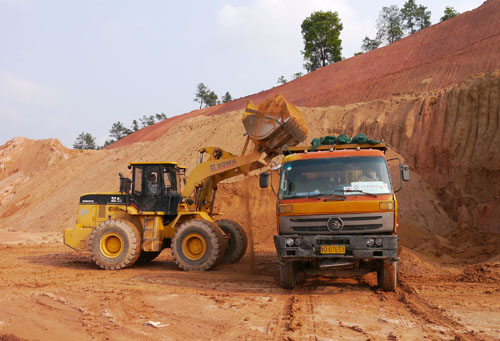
{"type": "Point", "coordinates": [405, 172]}
{"type": "Point", "coordinates": [264, 180]}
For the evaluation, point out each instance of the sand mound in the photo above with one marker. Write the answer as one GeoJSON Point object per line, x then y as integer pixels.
{"type": "Point", "coordinates": [428, 60]}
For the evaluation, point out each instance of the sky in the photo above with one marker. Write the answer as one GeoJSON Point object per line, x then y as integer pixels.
{"type": "Point", "coordinates": [70, 66]}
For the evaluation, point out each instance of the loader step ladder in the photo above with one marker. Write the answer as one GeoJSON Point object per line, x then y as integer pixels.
{"type": "Point", "coordinates": [151, 240]}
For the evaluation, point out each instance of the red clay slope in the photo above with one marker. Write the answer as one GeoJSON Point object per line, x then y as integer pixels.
{"type": "Point", "coordinates": [433, 58]}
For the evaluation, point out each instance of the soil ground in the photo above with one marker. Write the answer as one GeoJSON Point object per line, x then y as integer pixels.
{"type": "Point", "coordinates": [52, 292]}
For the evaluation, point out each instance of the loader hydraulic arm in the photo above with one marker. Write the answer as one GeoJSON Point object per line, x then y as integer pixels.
{"type": "Point", "coordinates": [270, 126]}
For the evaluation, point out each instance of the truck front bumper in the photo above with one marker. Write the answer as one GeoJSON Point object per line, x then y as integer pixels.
{"type": "Point", "coordinates": [307, 247]}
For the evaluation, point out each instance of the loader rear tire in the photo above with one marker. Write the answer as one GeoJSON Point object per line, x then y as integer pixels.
{"type": "Point", "coordinates": [236, 241]}
{"type": "Point", "coordinates": [147, 256]}
{"type": "Point", "coordinates": [198, 245]}
{"type": "Point", "coordinates": [115, 244]}
{"type": "Point", "coordinates": [387, 275]}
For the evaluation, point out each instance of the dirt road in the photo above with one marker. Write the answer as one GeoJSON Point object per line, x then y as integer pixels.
{"type": "Point", "coordinates": [49, 292]}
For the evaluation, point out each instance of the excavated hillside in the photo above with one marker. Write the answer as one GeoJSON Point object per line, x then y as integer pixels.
{"type": "Point", "coordinates": [431, 59]}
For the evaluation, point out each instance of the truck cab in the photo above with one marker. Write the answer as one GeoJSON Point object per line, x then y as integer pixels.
{"type": "Point", "coordinates": [337, 214]}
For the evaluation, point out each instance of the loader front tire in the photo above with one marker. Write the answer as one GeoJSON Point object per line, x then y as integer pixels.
{"type": "Point", "coordinates": [236, 241]}
{"type": "Point", "coordinates": [115, 244]}
{"type": "Point", "coordinates": [198, 245]}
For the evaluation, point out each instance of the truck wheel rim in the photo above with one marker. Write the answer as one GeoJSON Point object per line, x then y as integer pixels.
{"type": "Point", "coordinates": [111, 245]}
{"type": "Point", "coordinates": [194, 246]}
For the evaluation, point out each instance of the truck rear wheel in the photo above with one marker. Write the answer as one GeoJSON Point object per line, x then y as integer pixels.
{"type": "Point", "coordinates": [387, 275]}
{"type": "Point", "coordinates": [288, 275]}
{"type": "Point", "coordinates": [198, 245]}
{"type": "Point", "coordinates": [237, 241]}
{"type": "Point", "coordinates": [115, 244]}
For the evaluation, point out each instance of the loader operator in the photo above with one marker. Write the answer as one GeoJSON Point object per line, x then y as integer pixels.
{"type": "Point", "coordinates": [152, 184]}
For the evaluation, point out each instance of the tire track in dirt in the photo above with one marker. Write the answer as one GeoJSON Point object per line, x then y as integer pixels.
{"type": "Point", "coordinates": [298, 319]}
{"type": "Point", "coordinates": [433, 319]}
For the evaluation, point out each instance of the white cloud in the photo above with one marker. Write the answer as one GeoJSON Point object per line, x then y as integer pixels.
{"type": "Point", "coordinates": [24, 5]}
{"type": "Point", "coordinates": [15, 90]}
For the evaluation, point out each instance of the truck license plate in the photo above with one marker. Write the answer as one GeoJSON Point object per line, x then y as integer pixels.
{"type": "Point", "coordinates": [332, 249]}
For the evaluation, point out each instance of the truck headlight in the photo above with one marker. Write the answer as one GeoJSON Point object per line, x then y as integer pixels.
{"type": "Point", "coordinates": [285, 209]}
{"type": "Point", "coordinates": [289, 242]}
{"type": "Point", "coordinates": [386, 205]}
{"type": "Point", "coordinates": [379, 241]}
{"type": "Point", "coordinates": [370, 242]}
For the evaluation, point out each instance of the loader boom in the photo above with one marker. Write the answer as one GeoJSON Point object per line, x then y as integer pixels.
{"type": "Point", "coordinates": [270, 126]}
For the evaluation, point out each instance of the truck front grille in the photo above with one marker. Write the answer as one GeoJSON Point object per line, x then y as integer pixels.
{"type": "Point", "coordinates": [363, 222]}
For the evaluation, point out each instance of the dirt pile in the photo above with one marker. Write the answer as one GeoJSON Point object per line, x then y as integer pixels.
{"type": "Point", "coordinates": [434, 58]}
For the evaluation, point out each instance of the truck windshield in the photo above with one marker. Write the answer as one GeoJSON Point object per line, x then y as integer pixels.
{"type": "Point", "coordinates": [333, 176]}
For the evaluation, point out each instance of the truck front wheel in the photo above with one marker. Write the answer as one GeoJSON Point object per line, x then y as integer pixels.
{"type": "Point", "coordinates": [387, 275]}
{"type": "Point", "coordinates": [288, 275]}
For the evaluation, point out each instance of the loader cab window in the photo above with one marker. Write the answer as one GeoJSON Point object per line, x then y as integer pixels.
{"type": "Point", "coordinates": [169, 181]}
{"type": "Point", "coordinates": [137, 181]}
{"type": "Point", "coordinates": [156, 188]}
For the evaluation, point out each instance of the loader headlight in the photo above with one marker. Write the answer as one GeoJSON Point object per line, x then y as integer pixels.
{"type": "Point", "coordinates": [289, 242]}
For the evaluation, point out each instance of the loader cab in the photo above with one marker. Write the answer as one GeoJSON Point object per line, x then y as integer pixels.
{"type": "Point", "coordinates": [157, 186]}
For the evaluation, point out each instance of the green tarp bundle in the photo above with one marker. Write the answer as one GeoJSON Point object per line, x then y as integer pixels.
{"type": "Point", "coordinates": [341, 139]}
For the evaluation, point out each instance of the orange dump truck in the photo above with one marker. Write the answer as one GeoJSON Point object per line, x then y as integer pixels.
{"type": "Point", "coordinates": [337, 213]}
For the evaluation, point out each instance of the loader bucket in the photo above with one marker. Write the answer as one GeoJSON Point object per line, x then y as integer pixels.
{"type": "Point", "coordinates": [273, 124]}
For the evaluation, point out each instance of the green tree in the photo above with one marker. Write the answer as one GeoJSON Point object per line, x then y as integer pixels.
{"type": "Point", "coordinates": [227, 97]}
{"type": "Point", "coordinates": [449, 12]}
{"type": "Point", "coordinates": [211, 99]}
{"type": "Point", "coordinates": [297, 75]}
{"type": "Point", "coordinates": [201, 93]}
{"type": "Point", "coordinates": [322, 43]}
{"type": "Point", "coordinates": [118, 131]}
{"type": "Point", "coordinates": [370, 44]}
{"type": "Point", "coordinates": [423, 17]}
{"type": "Point", "coordinates": [146, 120]}
{"type": "Point", "coordinates": [160, 117]}
{"type": "Point", "coordinates": [135, 125]}
{"type": "Point", "coordinates": [205, 96]}
{"type": "Point", "coordinates": [389, 24]}
{"type": "Point", "coordinates": [409, 16]}
{"type": "Point", "coordinates": [84, 141]}
{"type": "Point", "coordinates": [282, 80]}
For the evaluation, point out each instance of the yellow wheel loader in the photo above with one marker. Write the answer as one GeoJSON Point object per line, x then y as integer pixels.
{"type": "Point", "coordinates": [159, 207]}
